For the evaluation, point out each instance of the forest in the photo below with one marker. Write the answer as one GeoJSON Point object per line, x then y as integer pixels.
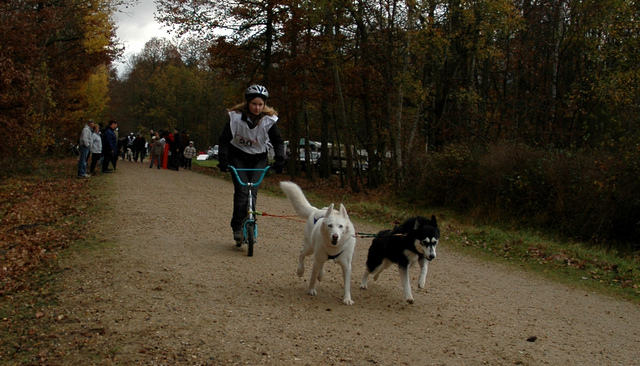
{"type": "Point", "coordinates": [518, 111]}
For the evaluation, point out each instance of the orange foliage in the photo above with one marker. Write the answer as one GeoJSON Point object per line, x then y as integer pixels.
{"type": "Point", "coordinates": [40, 217]}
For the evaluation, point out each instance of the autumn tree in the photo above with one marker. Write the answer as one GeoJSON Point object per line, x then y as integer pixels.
{"type": "Point", "coordinates": [96, 92]}
{"type": "Point", "coordinates": [415, 75]}
{"type": "Point", "coordinates": [400, 83]}
{"type": "Point", "coordinates": [167, 87]}
{"type": "Point", "coordinates": [48, 51]}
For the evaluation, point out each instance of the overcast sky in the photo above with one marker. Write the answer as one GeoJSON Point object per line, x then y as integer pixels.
{"type": "Point", "coordinates": [136, 26]}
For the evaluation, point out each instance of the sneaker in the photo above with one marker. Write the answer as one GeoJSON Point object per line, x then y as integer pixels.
{"type": "Point", "coordinates": [237, 236]}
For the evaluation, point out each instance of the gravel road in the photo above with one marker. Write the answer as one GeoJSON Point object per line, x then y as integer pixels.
{"type": "Point", "coordinates": [167, 286]}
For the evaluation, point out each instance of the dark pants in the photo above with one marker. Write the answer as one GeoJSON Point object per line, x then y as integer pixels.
{"type": "Point", "coordinates": [95, 157]}
{"type": "Point", "coordinates": [114, 161]}
{"type": "Point", "coordinates": [174, 160]}
{"type": "Point", "coordinates": [157, 159]}
{"type": "Point", "coordinates": [139, 154]}
{"type": "Point", "coordinates": [187, 163]}
{"type": "Point", "coordinates": [106, 159]}
{"type": "Point", "coordinates": [241, 193]}
{"type": "Point", "coordinates": [109, 158]}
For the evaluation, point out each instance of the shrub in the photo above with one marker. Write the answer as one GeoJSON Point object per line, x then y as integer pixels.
{"type": "Point", "coordinates": [587, 195]}
{"type": "Point", "coordinates": [443, 179]}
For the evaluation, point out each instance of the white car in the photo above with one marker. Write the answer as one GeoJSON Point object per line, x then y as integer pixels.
{"type": "Point", "coordinates": [213, 152]}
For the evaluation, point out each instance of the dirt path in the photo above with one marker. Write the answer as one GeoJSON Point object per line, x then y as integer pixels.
{"type": "Point", "coordinates": [170, 288]}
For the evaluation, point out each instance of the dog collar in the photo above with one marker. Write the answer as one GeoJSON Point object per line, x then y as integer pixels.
{"type": "Point", "coordinates": [334, 256]}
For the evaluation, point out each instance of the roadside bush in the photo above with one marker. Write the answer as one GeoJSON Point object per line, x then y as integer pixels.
{"type": "Point", "coordinates": [597, 196]}
{"type": "Point", "coordinates": [586, 195]}
{"type": "Point", "coordinates": [443, 180]}
{"type": "Point", "coordinates": [510, 182]}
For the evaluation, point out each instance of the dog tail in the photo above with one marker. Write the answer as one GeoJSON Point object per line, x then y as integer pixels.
{"type": "Point", "coordinates": [301, 206]}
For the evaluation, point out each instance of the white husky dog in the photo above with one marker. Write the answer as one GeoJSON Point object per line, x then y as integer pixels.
{"type": "Point", "coordinates": [328, 234]}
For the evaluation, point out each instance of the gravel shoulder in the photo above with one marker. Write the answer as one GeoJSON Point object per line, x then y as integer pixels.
{"type": "Point", "coordinates": [168, 287]}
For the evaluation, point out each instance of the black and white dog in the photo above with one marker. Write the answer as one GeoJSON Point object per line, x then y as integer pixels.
{"type": "Point", "coordinates": [415, 240]}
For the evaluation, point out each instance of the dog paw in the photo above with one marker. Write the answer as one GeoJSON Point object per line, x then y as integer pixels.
{"type": "Point", "coordinates": [312, 292]}
{"type": "Point", "coordinates": [300, 273]}
{"type": "Point", "coordinates": [421, 285]}
{"type": "Point", "coordinates": [347, 302]}
{"type": "Point", "coordinates": [410, 301]}
{"type": "Point", "coordinates": [363, 286]}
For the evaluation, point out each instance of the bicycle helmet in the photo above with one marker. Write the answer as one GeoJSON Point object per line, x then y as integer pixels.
{"type": "Point", "coordinates": [256, 91]}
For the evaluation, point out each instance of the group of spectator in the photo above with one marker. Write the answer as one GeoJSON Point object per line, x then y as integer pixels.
{"type": "Point", "coordinates": [180, 151]}
{"type": "Point", "coordinates": [134, 147]}
{"type": "Point", "coordinates": [106, 148]}
{"type": "Point", "coordinates": [99, 144]}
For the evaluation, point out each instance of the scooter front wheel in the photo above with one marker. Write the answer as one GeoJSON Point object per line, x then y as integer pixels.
{"type": "Point", "coordinates": [250, 239]}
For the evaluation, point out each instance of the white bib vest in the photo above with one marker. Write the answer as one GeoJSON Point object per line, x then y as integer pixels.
{"type": "Point", "coordinates": [251, 141]}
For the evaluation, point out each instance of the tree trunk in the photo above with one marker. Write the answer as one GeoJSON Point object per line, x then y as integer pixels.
{"type": "Point", "coordinates": [341, 122]}
{"type": "Point", "coordinates": [269, 43]}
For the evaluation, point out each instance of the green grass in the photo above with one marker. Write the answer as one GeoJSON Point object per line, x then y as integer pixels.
{"type": "Point", "coordinates": [205, 163]}
{"type": "Point", "coordinates": [578, 264]}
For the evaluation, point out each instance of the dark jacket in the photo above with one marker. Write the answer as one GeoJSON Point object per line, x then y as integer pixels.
{"type": "Point", "coordinates": [111, 140]}
{"type": "Point", "coordinates": [140, 144]}
{"type": "Point", "coordinates": [177, 144]}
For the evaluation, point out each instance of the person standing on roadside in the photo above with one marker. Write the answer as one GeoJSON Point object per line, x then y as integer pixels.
{"type": "Point", "coordinates": [189, 153]}
{"type": "Point", "coordinates": [96, 148]}
{"type": "Point", "coordinates": [244, 144]}
{"type": "Point", "coordinates": [130, 139]}
{"type": "Point", "coordinates": [157, 150]}
{"type": "Point", "coordinates": [139, 148]}
{"type": "Point", "coordinates": [185, 139]}
{"type": "Point", "coordinates": [167, 138]}
{"type": "Point", "coordinates": [83, 148]}
{"type": "Point", "coordinates": [176, 150]}
{"type": "Point", "coordinates": [110, 150]}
